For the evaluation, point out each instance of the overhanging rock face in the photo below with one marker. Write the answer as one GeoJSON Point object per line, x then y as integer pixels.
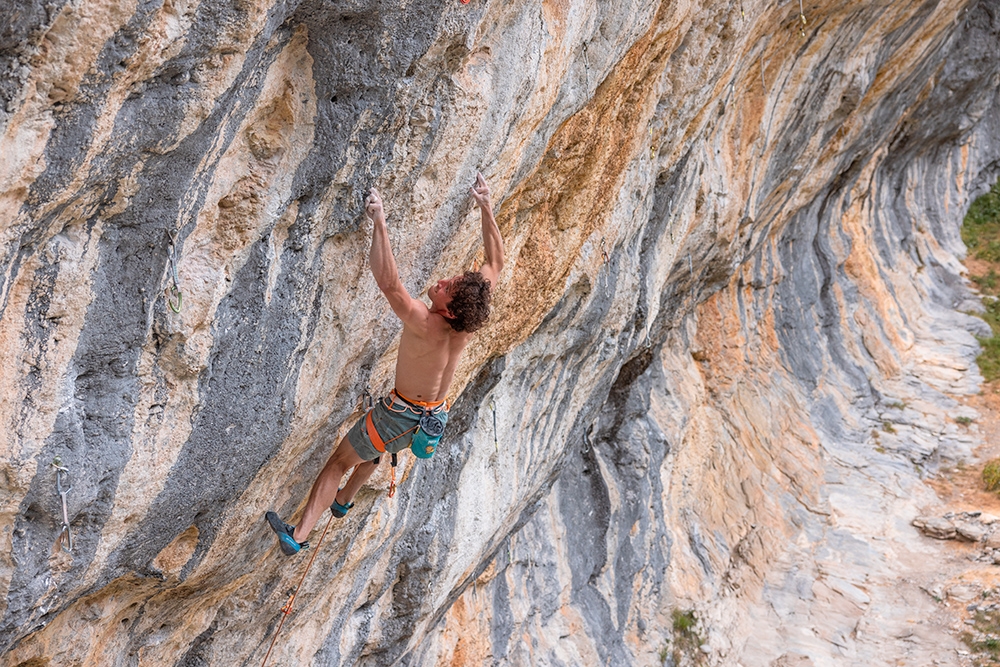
{"type": "Point", "coordinates": [732, 234]}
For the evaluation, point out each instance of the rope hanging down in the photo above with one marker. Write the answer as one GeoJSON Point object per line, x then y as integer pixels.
{"type": "Point", "coordinates": [287, 608]}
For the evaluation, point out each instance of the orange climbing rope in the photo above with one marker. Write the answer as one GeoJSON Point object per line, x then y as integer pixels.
{"type": "Point", "coordinates": [287, 609]}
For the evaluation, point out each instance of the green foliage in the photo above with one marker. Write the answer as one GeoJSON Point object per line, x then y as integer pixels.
{"type": "Point", "coordinates": [684, 621]}
{"type": "Point", "coordinates": [887, 427]}
{"type": "Point", "coordinates": [989, 359]}
{"type": "Point", "coordinates": [981, 227]}
{"type": "Point", "coordinates": [987, 283]}
{"type": "Point", "coordinates": [963, 420]}
{"type": "Point", "coordinates": [686, 641]}
{"type": "Point", "coordinates": [981, 233]}
{"type": "Point", "coordinates": [991, 475]}
{"type": "Point", "coordinates": [985, 640]}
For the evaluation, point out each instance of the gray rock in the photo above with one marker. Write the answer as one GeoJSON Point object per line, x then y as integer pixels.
{"type": "Point", "coordinates": [970, 531]}
{"type": "Point", "coordinates": [938, 528]}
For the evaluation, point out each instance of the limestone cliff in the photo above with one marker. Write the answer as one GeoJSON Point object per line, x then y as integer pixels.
{"type": "Point", "coordinates": [732, 232]}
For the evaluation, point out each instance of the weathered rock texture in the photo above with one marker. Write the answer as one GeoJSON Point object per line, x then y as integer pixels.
{"type": "Point", "coordinates": [727, 341]}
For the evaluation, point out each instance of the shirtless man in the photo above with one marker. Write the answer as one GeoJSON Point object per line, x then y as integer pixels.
{"type": "Point", "coordinates": [414, 414]}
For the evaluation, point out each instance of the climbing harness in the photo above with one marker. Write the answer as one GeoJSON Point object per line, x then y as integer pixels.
{"type": "Point", "coordinates": [173, 292]}
{"type": "Point", "coordinates": [426, 433]}
{"type": "Point", "coordinates": [65, 538]}
{"type": "Point", "coordinates": [287, 608]}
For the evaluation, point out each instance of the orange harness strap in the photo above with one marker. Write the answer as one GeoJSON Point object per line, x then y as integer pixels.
{"type": "Point", "coordinates": [430, 405]}
{"type": "Point", "coordinates": [376, 439]}
{"type": "Point", "coordinates": [379, 445]}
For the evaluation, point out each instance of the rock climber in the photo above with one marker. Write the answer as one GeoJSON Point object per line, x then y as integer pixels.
{"type": "Point", "coordinates": [415, 412]}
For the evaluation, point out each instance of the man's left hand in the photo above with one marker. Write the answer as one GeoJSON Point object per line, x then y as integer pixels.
{"type": "Point", "coordinates": [373, 206]}
{"type": "Point", "coordinates": [481, 192]}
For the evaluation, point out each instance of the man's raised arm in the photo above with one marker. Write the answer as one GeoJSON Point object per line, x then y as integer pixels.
{"type": "Point", "coordinates": [492, 241]}
{"type": "Point", "coordinates": [383, 265]}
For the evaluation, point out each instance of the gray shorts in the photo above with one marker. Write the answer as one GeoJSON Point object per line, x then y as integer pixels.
{"type": "Point", "coordinates": [395, 420]}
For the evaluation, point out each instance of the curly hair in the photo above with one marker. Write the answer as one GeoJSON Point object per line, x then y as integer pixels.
{"type": "Point", "coordinates": [470, 302]}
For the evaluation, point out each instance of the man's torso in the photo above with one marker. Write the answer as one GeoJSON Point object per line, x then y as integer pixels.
{"type": "Point", "coordinates": [426, 362]}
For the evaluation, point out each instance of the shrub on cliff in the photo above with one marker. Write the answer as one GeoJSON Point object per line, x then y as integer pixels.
{"type": "Point", "coordinates": [991, 475]}
{"type": "Point", "coordinates": [981, 226]}
{"type": "Point", "coordinates": [981, 233]}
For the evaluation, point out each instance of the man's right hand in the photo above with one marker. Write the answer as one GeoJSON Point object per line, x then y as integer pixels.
{"type": "Point", "coordinates": [481, 192]}
{"type": "Point", "coordinates": [373, 206]}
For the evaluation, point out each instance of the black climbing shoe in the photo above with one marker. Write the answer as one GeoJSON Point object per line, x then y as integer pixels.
{"type": "Point", "coordinates": [340, 511]}
{"type": "Point", "coordinates": [288, 545]}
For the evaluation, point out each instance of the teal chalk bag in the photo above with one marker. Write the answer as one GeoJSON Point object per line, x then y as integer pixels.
{"type": "Point", "coordinates": [428, 434]}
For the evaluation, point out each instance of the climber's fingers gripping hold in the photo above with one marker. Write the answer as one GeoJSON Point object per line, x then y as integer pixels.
{"type": "Point", "coordinates": [481, 191]}
{"type": "Point", "coordinates": [373, 205]}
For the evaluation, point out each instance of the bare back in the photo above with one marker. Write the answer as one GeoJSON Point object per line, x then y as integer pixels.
{"type": "Point", "coordinates": [427, 359]}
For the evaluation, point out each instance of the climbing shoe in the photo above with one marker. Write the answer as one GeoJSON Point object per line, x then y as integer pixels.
{"type": "Point", "coordinates": [340, 511]}
{"type": "Point", "coordinates": [288, 545]}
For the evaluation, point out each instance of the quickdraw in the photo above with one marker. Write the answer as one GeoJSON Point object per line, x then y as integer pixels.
{"type": "Point", "coordinates": [65, 539]}
{"type": "Point", "coordinates": [604, 252]}
{"type": "Point", "coordinates": [586, 439]}
{"type": "Point", "coordinates": [365, 401]}
{"type": "Point", "coordinates": [173, 292]}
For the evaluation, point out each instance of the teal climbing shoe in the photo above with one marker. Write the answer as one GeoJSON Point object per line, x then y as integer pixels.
{"type": "Point", "coordinates": [340, 511]}
{"type": "Point", "coordinates": [288, 545]}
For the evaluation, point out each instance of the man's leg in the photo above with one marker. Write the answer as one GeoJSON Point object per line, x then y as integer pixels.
{"type": "Point", "coordinates": [360, 475]}
{"type": "Point", "coordinates": [324, 489]}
